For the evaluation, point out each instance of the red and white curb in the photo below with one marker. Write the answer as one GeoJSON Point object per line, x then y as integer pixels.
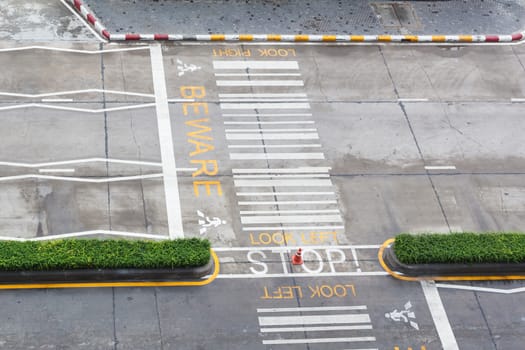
{"type": "Point", "coordinates": [84, 12]}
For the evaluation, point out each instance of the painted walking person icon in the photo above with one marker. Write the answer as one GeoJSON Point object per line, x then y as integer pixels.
{"type": "Point", "coordinates": [183, 67]}
{"type": "Point", "coordinates": [406, 315]}
{"type": "Point", "coordinates": [205, 222]}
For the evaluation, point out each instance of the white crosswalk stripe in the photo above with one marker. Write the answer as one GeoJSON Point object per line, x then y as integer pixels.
{"type": "Point", "coordinates": [332, 324]}
{"type": "Point", "coordinates": [264, 105]}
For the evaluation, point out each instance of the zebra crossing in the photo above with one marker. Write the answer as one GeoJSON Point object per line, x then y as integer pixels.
{"type": "Point", "coordinates": [280, 173]}
{"type": "Point", "coordinates": [316, 325]}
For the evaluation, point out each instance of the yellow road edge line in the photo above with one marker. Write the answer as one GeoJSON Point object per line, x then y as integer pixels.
{"type": "Point", "coordinates": [122, 284]}
{"type": "Point", "coordinates": [438, 278]}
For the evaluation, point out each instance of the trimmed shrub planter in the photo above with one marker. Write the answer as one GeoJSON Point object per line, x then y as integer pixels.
{"type": "Point", "coordinates": [82, 260]}
{"type": "Point", "coordinates": [457, 254]}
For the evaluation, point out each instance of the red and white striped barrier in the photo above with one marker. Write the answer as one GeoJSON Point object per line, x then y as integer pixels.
{"type": "Point", "coordinates": [84, 12]}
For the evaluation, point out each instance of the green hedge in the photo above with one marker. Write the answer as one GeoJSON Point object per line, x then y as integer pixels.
{"type": "Point", "coordinates": [463, 248]}
{"type": "Point", "coordinates": [102, 254]}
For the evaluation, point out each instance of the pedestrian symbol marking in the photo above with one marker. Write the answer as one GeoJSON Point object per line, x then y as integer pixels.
{"type": "Point", "coordinates": [406, 315]}
{"type": "Point", "coordinates": [205, 222]}
{"type": "Point", "coordinates": [183, 68]}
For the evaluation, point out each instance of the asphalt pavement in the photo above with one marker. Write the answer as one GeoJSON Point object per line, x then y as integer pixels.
{"type": "Point", "coordinates": [311, 17]}
{"type": "Point", "coordinates": [331, 149]}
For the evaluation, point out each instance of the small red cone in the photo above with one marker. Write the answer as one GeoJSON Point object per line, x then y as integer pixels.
{"type": "Point", "coordinates": [297, 259]}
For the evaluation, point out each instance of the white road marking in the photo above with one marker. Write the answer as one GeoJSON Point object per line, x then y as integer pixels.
{"type": "Point", "coordinates": [278, 183]}
{"type": "Point", "coordinates": [255, 65]}
{"type": "Point", "coordinates": [285, 193]}
{"type": "Point", "coordinates": [356, 262]}
{"type": "Point", "coordinates": [289, 219]}
{"type": "Point", "coordinates": [260, 83]}
{"type": "Point", "coordinates": [304, 145]}
{"type": "Point", "coordinates": [314, 308]}
{"type": "Point", "coordinates": [74, 109]}
{"type": "Point", "coordinates": [286, 202]}
{"type": "Point", "coordinates": [278, 212]}
{"type": "Point", "coordinates": [412, 99]}
{"type": "Point", "coordinates": [264, 100]}
{"type": "Point", "coordinates": [313, 275]}
{"type": "Point", "coordinates": [282, 170]}
{"type": "Point", "coordinates": [57, 100]}
{"type": "Point", "coordinates": [292, 248]}
{"type": "Point", "coordinates": [298, 228]}
{"type": "Point", "coordinates": [317, 340]}
{"type": "Point", "coordinates": [481, 289]}
{"type": "Point", "coordinates": [87, 52]}
{"type": "Point", "coordinates": [272, 123]}
{"type": "Point", "coordinates": [277, 136]}
{"type": "Point", "coordinates": [252, 156]}
{"type": "Point", "coordinates": [268, 105]}
{"type": "Point", "coordinates": [517, 100]}
{"type": "Point", "coordinates": [280, 176]}
{"type": "Point", "coordinates": [267, 115]}
{"type": "Point", "coordinates": [269, 130]}
{"type": "Point", "coordinates": [313, 319]}
{"type": "Point", "coordinates": [69, 170]}
{"type": "Point", "coordinates": [79, 161]}
{"type": "Point", "coordinates": [264, 95]}
{"type": "Point", "coordinates": [80, 179]}
{"type": "Point", "coordinates": [169, 168]}
{"type": "Point", "coordinates": [87, 233]}
{"type": "Point", "coordinates": [257, 75]}
{"type": "Point", "coordinates": [314, 329]}
{"type": "Point", "coordinates": [76, 92]}
{"type": "Point", "coordinates": [440, 167]}
{"type": "Point", "coordinates": [226, 259]}
{"type": "Point", "coordinates": [437, 310]}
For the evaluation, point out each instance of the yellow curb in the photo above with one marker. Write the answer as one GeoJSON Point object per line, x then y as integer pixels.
{"type": "Point", "coordinates": [438, 278]}
{"type": "Point", "coordinates": [121, 284]}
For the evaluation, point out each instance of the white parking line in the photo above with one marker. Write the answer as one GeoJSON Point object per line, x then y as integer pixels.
{"type": "Point", "coordinates": [74, 109]}
{"type": "Point", "coordinates": [80, 161]}
{"type": "Point", "coordinates": [69, 170]}
{"type": "Point", "coordinates": [80, 179]}
{"type": "Point", "coordinates": [87, 52]}
{"type": "Point", "coordinates": [86, 233]}
{"type": "Point", "coordinates": [169, 168]}
{"type": "Point", "coordinates": [437, 311]}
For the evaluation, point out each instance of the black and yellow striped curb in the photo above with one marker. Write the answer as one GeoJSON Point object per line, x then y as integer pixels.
{"type": "Point", "coordinates": [432, 272]}
{"type": "Point", "coordinates": [498, 38]}
{"type": "Point", "coordinates": [49, 285]}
